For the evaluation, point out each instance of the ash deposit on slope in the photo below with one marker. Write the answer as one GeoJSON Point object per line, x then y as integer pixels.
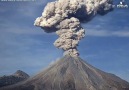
{"type": "Point", "coordinates": [72, 73]}
{"type": "Point", "coordinates": [65, 16]}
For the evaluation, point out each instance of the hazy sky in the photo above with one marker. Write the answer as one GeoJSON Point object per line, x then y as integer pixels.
{"type": "Point", "coordinates": [28, 48]}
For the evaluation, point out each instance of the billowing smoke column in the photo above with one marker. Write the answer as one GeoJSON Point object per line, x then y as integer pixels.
{"type": "Point", "coordinates": [65, 16]}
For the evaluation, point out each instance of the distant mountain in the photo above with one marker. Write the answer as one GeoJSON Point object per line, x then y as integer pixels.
{"type": "Point", "coordinates": [72, 73]}
{"type": "Point", "coordinates": [12, 79]}
{"type": "Point", "coordinates": [22, 74]}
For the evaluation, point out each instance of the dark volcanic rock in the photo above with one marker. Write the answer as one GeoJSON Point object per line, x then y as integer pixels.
{"type": "Point", "coordinates": [72, 73]}
{"type": "Point", "coordinates": [18, 76]}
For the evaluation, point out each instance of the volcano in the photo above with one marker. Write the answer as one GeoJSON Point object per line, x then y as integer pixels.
{"type": "Point", "coordinates": [71, 73]}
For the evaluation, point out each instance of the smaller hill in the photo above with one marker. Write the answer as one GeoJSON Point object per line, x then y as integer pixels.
{"type": "Point", "coordinates": [18, 76]}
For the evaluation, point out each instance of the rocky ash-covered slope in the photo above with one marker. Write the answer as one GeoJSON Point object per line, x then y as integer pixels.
{"type": "Point", "coordinates": [18, 76]}
{"type": "Point", "coordinates": [72, 73]}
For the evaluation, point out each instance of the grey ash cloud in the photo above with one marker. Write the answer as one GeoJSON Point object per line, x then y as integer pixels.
{"type": "Point", "coordinates": [65, 17]}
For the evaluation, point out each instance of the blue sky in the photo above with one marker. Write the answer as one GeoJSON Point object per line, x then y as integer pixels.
{"type": "Point", "coordinates": [28, 48]}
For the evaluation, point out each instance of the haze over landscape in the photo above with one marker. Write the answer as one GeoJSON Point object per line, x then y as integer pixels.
{"type": "Point", "coordinates": [23, 46]}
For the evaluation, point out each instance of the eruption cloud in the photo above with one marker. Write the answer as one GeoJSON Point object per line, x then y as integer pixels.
{"type": "Point", "coordinates": [65, 17]}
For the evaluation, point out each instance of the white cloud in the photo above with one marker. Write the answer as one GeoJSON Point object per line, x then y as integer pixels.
{"type": "Point", "coordinates": [100, 33]}
{"type": "Point", "coordinates": [107, 33]}
{"type": "Point", "coordinates": [121, 33]}
{"type": "Point", "coordinates": [15, 28]}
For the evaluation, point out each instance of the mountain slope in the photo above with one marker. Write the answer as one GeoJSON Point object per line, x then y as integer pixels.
{"type": "Point", "coordinates": [72, 73]}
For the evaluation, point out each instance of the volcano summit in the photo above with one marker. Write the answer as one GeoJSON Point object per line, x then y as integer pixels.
{"type": "Point", "coordinates": [72, 73]}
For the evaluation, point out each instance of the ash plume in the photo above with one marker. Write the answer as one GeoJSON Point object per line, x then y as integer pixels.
{"type": "Point", "coordinates": [65, 17]}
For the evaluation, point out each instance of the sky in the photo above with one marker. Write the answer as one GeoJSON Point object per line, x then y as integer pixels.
{"type": "Point", "coordinates": [26, 47]}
